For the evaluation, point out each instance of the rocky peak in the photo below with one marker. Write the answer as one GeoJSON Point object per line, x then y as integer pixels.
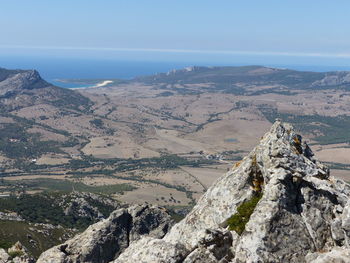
{"type": "Point", "coordinates": [278, 204]}
{"type": "Point", "coordinates": [21, 80]}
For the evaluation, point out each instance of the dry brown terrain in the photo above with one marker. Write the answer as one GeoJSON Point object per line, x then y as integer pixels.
{"type": "Point", "coordinates": [139, 120]}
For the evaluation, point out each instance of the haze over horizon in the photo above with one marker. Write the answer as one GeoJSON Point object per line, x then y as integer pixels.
{"type": "Point", "coordinates": [190, 33]}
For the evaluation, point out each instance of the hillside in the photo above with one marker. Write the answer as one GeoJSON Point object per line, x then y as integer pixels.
{"type": "Point", "coordinates": [165, 138]}
{"type": "Point", "coordinates": [279, 204]}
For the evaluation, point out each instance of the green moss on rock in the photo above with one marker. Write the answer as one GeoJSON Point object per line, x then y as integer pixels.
{"type": "Point", "coordinates": [238, 221]}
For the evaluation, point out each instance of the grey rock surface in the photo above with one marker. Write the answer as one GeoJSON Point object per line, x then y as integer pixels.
{"type": "Point", "coordinates": [4, 257]}
{"type": "Point", "coordinates": [153, 250]}
{"type": "Point", "coordinates": [105, 240]}
{"type": "Point", "coordinates": [302, 210]}
{"type": "Point", "coordinates": [336, 255]}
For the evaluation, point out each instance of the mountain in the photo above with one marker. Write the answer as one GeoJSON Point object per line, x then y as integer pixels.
{"type": "Point", "coordinates": [224, 77]}
{"type": "Point", "coordinates": [23, 88]}
{"type": "Point", "coordinates": [279, 204]}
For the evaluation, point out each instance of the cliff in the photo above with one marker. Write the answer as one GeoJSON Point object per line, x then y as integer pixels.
{"type": "Point", "coordinates": [279, 204]}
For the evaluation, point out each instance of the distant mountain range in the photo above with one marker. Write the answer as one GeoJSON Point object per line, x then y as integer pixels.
{"type": "Point", "coordinates": [251, 75]}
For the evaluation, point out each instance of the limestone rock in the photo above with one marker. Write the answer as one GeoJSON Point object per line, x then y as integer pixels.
{"type": "Point", "coordinates": [152, 221]}
{"type": "Point", "coordinates": [215, 246]}
{"type": "Point", "coordinates": [153, 250]}
{"type": "Point", "coordinates": [4, 257]}
{"type": "Point", "coordinates": [302, 209]}
{"type": "Point", "coordinates": [336, 255]}
{"type": "Point", "coordinates": [105, 240]}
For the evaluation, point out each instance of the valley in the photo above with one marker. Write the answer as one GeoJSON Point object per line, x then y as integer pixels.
{"type": "Point", "coordinates": [175, 132]}
{"type": "Point", "coordinates": [163, 139]}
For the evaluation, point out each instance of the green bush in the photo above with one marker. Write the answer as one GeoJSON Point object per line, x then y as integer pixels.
{"type": "Point", "coordinates": [14, 254]}
{"type": "Point", "coordinates": [5, 244]}
{"type": "Point", "coordinates": [238, 221]}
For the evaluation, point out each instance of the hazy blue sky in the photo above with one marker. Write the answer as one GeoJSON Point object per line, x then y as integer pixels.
{"type": "Point", "coordinates": [180, 28]}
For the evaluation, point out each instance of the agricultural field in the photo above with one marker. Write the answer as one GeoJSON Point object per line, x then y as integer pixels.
{"type": "Point", "coordinates": [165, 138]}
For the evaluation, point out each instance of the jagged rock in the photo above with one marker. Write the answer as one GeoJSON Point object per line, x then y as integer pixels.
{"type": "Point", "coordinates": [152, 221]}
{"type": "Point", "coordinates": [215, 246]}
{"type": "Point", "coordinates": [105, 240]}
{"type": "Point", "coordinates": [302, 209]}
{"type": "Point", "coordinates": [336, 255]}
{"type": "Point", "coordinates": [153, 250]}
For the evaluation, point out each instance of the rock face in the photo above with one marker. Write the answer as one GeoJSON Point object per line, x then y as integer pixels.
{"type": "Point", "coordinates": [105, 240]}
{"type": "Point", "coordinates": [21, 80]}
{"type": "Point", "coordinates": [23, 88]}
{"type": "Point", "coordinates": [303, 210]}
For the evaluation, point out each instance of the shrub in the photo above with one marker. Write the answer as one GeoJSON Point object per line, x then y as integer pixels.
{"type": "Point", "coordinates": [238, 221]}
{"type": "Point", "coordinates": [5, 244]}
{"type": "Point", "coordinates": [14, 254]}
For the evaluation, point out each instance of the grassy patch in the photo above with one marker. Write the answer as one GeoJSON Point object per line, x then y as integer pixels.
{"type": "Point", "coordinates": [68, 186]}
{"type": "Point", "coordinates": [5, 244]}
{"type": "Point", "coordinates": [14, 254]}
{"type": "Point", "coordinates": [12, 231]}
{"type": "Point", "coordinates": [49, 208]}
{"type": "Point", "coordinates": [238, 221]}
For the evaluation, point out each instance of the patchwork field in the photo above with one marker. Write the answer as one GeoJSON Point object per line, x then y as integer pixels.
{"type": "Point", "coordinates": [166, 138]}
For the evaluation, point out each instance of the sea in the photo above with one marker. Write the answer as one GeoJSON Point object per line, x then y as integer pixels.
{"type": "Point", "coordinates": [54, 69]}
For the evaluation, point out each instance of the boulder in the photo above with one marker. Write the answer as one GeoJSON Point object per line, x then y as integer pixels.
{"type": "Point", "coordinates": [105, 240]}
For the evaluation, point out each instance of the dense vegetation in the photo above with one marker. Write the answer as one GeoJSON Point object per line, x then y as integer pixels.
{"type": "Point", "coordinates": [15, 142]}
{"type": "Point", "coordinates": [66, 186]}
{"type": "Point", "coordinates": [44, 208]}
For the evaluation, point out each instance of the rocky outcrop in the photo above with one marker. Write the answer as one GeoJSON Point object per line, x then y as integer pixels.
{"type": "Point", "coordinates": [333, 79]}
{"type": "Point", "coordinates": [88, 205]}
{"type": "Point", "coordinates": [299, 210]}
{"type": "Point", "coordinates": [10, 216]}
{"type": "Point", "coordinates": [16, 254]}
{"type": "Point", "coordinates": [20, 81]}
{"type": "Point", "coordinates": [105, 240]}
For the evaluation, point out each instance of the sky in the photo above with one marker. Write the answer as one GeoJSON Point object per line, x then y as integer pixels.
{"type": "Point", "coordinates": [289, 30]}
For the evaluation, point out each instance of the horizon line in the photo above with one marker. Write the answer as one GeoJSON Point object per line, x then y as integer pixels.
{"type": "Point", "coordinates": [194, 51]}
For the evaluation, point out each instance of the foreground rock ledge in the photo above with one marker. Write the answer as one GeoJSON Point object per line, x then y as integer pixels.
{"type": "Point", "coordinates": [302, 216]}
{"type": "Point", "coordinates": [105, 240]}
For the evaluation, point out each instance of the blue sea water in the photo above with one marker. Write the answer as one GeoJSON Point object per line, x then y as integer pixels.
{"type": "Point", "coordinates": [76, 68]}
{"type": "Point", "coordinates": [55, 68]}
